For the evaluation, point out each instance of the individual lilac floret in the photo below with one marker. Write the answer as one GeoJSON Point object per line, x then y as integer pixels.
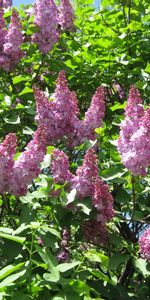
{"type": "Point", "coordinates": [7, 152]}
{"type": "Point", "coordinates": [45, 12]}
{"type": "Point", "coordinates": [66, 16]}
{"type": "Point", "coordinates": [26, 168]}
{"type": "Point", "coordinates": [60, 167]}
{"type": "Point", "coordinates": [134, 135]}
{"type": "Point", "coordinates": [144, 243]}
{"type": "Point", "coordinates": [12, 53]}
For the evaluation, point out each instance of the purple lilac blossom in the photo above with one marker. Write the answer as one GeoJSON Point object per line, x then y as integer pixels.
{"type": "Point", "coordinates": [11, 52]}
{"type": "Point", "coordinates": [7, 152]}
{"type": "Point", "coordinates": [83, 182]}
{"type": "Point", "coordinates": [144, 243]}
{"type": "Point", "coordinates": [26, 168]}
{"type": "Point", "coordinates": [60, 115]}
{"type": "Point", "coordinates": [133, 142]}
{"type": "Point", "coordinates": [87, 184]}
{"type": "Point", "coordinates": [63, 255]}
{"type": "Point", "coordinates": [7, 3]}
{"type": "Point", "coordinates": [2, 30]}
{"type": "Point", "coordinates": [66, 16]}
{"type": "Point", "coordinates": [60, 167]}
{"type": "Point", "coordinates": [46, 13]}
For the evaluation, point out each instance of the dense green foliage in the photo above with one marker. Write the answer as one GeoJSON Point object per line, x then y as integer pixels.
{"type": "Point", "coordinates": [110, 45]}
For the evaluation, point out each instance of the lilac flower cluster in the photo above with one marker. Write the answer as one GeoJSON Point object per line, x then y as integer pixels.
{"type": "Point", "coordinates": [45, 12]}
{"type": "Point", "coordinates": [118, 88]}
{"type": "Point", "coordinates": [95, 231]}
{"type": "Point", "coordinates": [7, 152]}
{"type": "Point", "coordinates": [63, 255]}
{"type": "Point", "coordinates": [7, 3]}
{"type": "Point", "coordinates": [87, 184]}
{"type": "Point", "coordinates": [144, 243]}
{"type": "Point", "coordinates": [47, 19]}
{"type": "Point", "coordinates": [2, 31]}
{"type": "Point", "coordinates": [66, 16]}
{"type": "Point", "coordinates": [60, 167]}
{"type": "Point", "coordinates": [85, 177]}
{"type": "Point", "coordinates": [60, 115]}
{"type": "Point", "coordinates": [134, 139]}
{"type": "Point", "coordinates": [10, 41]}
{"type": "Point", "coordinates": [15, 176]}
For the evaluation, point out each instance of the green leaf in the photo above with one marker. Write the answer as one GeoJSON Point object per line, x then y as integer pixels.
{"type": "Point", "coordinates": [118, 106]}
{"type": "Point", "coordinates": [52, 277]}
{"type": "Point", "coordinates": [116, 259]}
{"type": "Point", "coordinates": [13, 120]}
{"type": "Point", "coordinates": [142, 265]}
{"type": "Point", "coordinates": [11, 279]}
{"type": "Point", "coordinates": [95, 256]}
{"type": "Point", "coordinates": [67, 266]}
{"type": "Point", "coordinates": [85, 208]}
{"type": "Point", "coordinates": [147, 70]}
{"type": "Point", "coordinates": [28, 130]}
{"type": "Point", "coordinates": [6, 230]}
{"type": "Point", "coordinates": [9, 269]}
{"type": "Point", "coordinates": [80, 286]}
{"type": "Point", "coordinates": [113, 173]}
{"type": "Point", "coordinates": [13, 238]}
{"type": "Point", "coordinates": [18, 79]}
{"type": "Point", "coordinates": [71, 196]}
{"type": "Point", "coordinates": [25, 91]}
{"type": "Point", "coordinates": [58, 298]}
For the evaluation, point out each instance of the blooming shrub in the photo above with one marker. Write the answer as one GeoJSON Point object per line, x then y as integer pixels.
{"type": "Point", "coordinates": [74, 214]}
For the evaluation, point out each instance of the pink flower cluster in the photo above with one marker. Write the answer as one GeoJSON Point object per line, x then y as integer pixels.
{"type": "Point", "coordinates": [63, 255]}
{"type": "Point", "coordinates": [60, 115]}
{"type": "Point", "coordinates": [144, 243]}
{"type": "Point", "coordinates": [7, 151]}
{"type": "Point", "coordinates": [134, 139]}
{"type": "Point", "coordinates": [66, 16]}
{"type": "Point", "coordinates": [7, 3]}
{"type": "Point", "coordinates": [60, 167]}
{"type": "Point", "coordinates": [118, 88]}
{"type": "Point", "coordinates": [87, 184]}
{"type": "Point", "coordinates": [16, 175]}
{"type": "Point", "coordinates": [2, 30]}
{"type": "Point", "coordinates": [10, 41]}
{"type": "Point", "coordinates": [47, 19]}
